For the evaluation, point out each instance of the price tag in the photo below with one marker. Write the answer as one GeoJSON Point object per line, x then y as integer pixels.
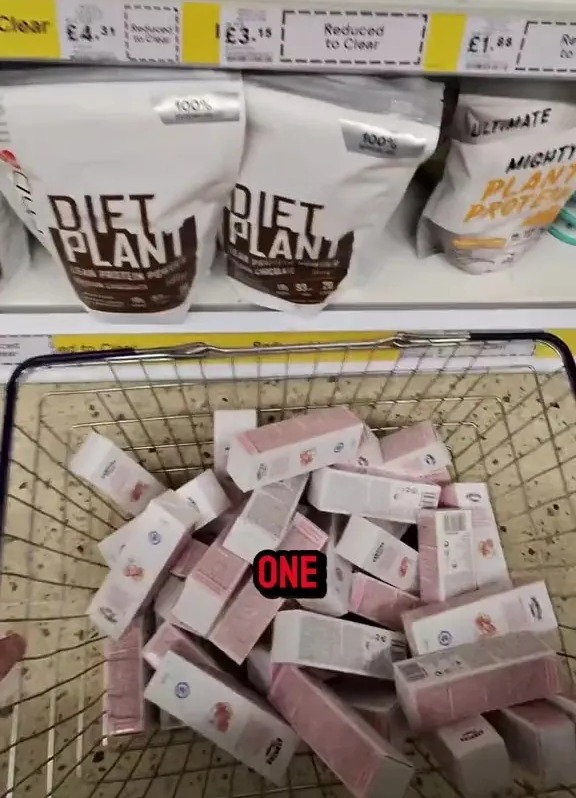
{"type": "Point", "coordinates": [354, 38]}
{"type": "Point", "coordinates": [490, 45]}
{"type": "Point", "coordinates": [548, 47]}
{"type": "Point", "coordinates": [90, 31]}
{"type": "Point", "coordinates": [249, 36]}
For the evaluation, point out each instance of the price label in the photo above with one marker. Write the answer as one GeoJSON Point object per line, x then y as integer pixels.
{"type": "Point", "coordinates": [15, 349]}
{"type": "Point", "coordinates": [91, 32]}
{"type": "Point", "coordinates": [548, 47]}
{"type": "Point", "coordinates": [249, 37]}
{"type": "Point", "coordinates": [490, 45]}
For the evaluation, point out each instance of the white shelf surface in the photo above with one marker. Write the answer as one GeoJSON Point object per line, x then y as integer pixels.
{"type": "Point", "coordinates": [407, 293]}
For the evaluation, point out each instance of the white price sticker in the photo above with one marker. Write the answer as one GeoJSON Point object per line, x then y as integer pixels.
{"type": "Point", "coordinates": [490, 45]}
{"type": "Point", "coordinates": [249, 36]}
{"type": "Point", "coordinates": [548, 47]}
{"type": "Point", "coordinates": [14, 349]}
{"type": "Point", "coordinates": [90, 31]}
{"type": "Point", "coordinates": [152, 33]}
{"type": "Point", "coordinates": [353, 38]}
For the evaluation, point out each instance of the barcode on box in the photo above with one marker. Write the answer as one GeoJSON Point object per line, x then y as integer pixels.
{"type": "Point", "coordinates": [455, 522]}
{"type": "Point", "coordinates": [412, 672]}
{"type": "Point", "coordinates": [429, 500]}
{"type": "Point", "coordinates": [398, 649]}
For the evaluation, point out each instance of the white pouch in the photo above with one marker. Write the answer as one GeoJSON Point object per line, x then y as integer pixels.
{"type": "Point", "coordinates": [510, 169]}
{"type": "Point", "coordinates": [327, 161]}
{"type": "Point", "coordinates": [122, 174]}
{"type": "Point", "coordinates": [14, 249]}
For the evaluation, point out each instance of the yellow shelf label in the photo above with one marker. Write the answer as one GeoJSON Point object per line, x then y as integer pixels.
{"type": "Point", "coordinates": [444, 41]}
{"type": "Point", "coordinates": [29, 29]}
{"type": "Point", "coordinates": [85, 343]}
{"type": "Point", "coordinates": [200, 43]}
{"type": "Point", "coordinates": [568, 336]}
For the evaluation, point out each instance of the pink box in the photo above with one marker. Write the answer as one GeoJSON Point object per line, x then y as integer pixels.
{"type": "Point", "coordinates": [474, 496]}
{"type": "Point", "coordinates": [295, 446]}
{"type": "Point", "coordinates": [190, 556]}
{"type": "Point", "coordinates": [364, 761]}
{"type": "Point", "coordinates": [484, 613]}
{"type": "Point", "coordinates": [379, 602]}
{"type": "Point", "coordinates": [374, 549]}
{"type": "Point", "coordinates": [473, 757]}
{"type": "Point", "coordinates": [335, 644]}
{"type": "Point", "coordinates": [338, 572]}
{"type": "Point", "coordinates": [541, 739]}
{"type": "Point", "coordinates": [416, 451]}
{"type": "Point", "coordinates": [374, 495]}
{"type": "Point", "coordinates": [235, 719]}
{"type": "Point", "coordinates": [208, 587]}
{"type": "Point", "coordinates": [249, 614]}
{"type": "Point", "coordinates": [379, 705]}
{"type": "Point", "coordinates": [265, 518]}
{"type": "Point", "coordinates": [442, 688]}
{"type": "Point", "coordinates": [125, 676]}
{"type": "Point", "coordinates": [115, 474]}
{"type": "Point", "coordinates": [205, 494]}
{"type": "Point", "coordinates": [170, 638]}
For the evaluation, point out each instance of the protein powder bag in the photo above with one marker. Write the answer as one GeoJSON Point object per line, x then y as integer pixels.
{"type": "Point", "coordinates": [123, 174]}
{"type": "Point", "coordinates": [327, 161]}
{"type": "Point", "coordinates": [510, 169]}
{"type": "Point", "coordinates": [14, 250]}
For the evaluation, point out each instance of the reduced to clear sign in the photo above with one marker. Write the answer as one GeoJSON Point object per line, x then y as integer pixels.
{"type": "Point", "coordinates": [548, 47]}
{"type": "Point", "coordinates": [379, 38]}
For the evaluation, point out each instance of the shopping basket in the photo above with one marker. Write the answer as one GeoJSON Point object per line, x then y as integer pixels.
{"type": "Point", "coordinates": [514, 428]}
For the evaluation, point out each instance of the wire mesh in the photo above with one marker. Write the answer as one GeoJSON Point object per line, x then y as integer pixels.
{"type": "Point", "coordinates": [512, 428]}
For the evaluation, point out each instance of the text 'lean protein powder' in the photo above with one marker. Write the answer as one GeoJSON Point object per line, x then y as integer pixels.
{"type": "Point", "coordinates": [510, 169]}
{"type": "Point", "coordinates": [327, 161]}
{"type": "Point", "coordinates": [14, 250]}
{"type": "Point", "coordinates": [127, 187]}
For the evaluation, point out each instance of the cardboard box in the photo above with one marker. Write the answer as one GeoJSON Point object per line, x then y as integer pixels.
{"type": "Point", "coordinates": [366, 763]}
{"type": "Point", "coordinates": [491, 565]}
{"type": "Point", "coordinates": [478, 615]}
{"type": "Point", "coordinates": [439, 689]}
{"type": "Point", "coordinates": [249, 614]}
{"type": "Point", "coordinates": [319, 641]}
{"type": "Point", "coordinates": [170, 638]}
{"type": "Point", "coordinates": [125, 677]}
{"type": "Point", "coordinates": [208, 587]}
{"type": "Point", "coordinates": [473, 757]}
{"type": "Point", "coordinates": [265, 518]}
{"type": "Point", "coordinates": [338, 572]}
{"type": "Point", "coordinates": [379, 602]}
{"type": "Point", "coordinates": [294, 446]}
{"type": "Point", "coordinates": [378, 552]}
{"type": "Point", "coordinates": [373, 495]}
{"type": "Point", "coordinates": [380, 707]}
{"type": "Point", "coordinates": [205, 494]}
{"type": "Point", "coordinates": [142, 565]}
{"type": "Point", "coordinates": [416, 451]}
{"type": "Point", "coordinates": [220, 709]}
{"type": "Point", "coordinates": [451, 559]}
{"type": "Point", "coordinates": [115, 474]}
{"type": "Point", "coordinates": [227, 425]}
{"type": "Point", "coordinates": [541, 739]}
{"type": "Point", "coordinates": [191, 554]}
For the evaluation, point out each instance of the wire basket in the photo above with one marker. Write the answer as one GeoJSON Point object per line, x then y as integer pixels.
{"type": "Point", "coordinates": [512, 428]}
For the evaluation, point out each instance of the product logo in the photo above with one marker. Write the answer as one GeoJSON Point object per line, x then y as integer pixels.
{"type": "Point", "coordinates": [472, 734]}
{"type": "Point", "coordinates": [430, 460]}
{"type": "Point", "coordinates": [487, 548]}
{"type": "Point", "coordinates": [339, 447]}
{"type": "Point", "coordinates": [220, 716]}
{"type": "Point", "coordinates": [445, 638]}
{"type": "Point", "coordinates": [182, 690]}
{"type": "Point", "coordinates": [307, 457]}
{"type": "Point", "coordinates": [137, 492]}
{"type": "Point", "coordinates": [535, 608]}
{"type": "Point", "coordinates": [404, 565]}
{"type": "Point", "coordinates": [109, 614]}
{"type": "Point", "coordinates": [261, 471]}
{"type": "Point", "coordinates": [378, 553]}
{"type": "Point", "coordinates": [8, 157]}
{"type": "Point", "coordinates": [363, 461]}
{"type": "Point", "coordinates": [290, 574]}
{"type": "Point", "coordinates": [133, 571]}
{"type": "Point", "coordinates": [473, 497]}
{"type": "Point", "coordinates": [485, 625]}
{"type": "Point", "coordinates": [273, 750]}
{"type": "Point", "coordinates": [110, 468]}
{"type": "Point", "coordinates": [154, 538]}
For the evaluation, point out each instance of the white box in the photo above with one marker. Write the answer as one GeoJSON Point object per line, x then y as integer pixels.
{"type": "Point", "coordinates": [335, 491]}
{"type": "Point", "coordinates": [208, 587]}
{"type": "Point", "coordinates": [475, 616]}
{"type": "Point", "coordinates": [369, 455]}
{"type": "Point", "coordinates": [111, 546]}
{"type": "Point", "coordinates": [474, 496]}
{"type": "Point", "coordinates": [473, 756]}
{"type": "Point", "coordinates": [142, 565]}
{"type": "Point", "coordinates": [541, 739]}
{"type": "Point", "coordinates": [115, 474]}
{"type": "Point", "coordinates": [452, 560]}
{"type": "Point", "coordinates": [338, 577]}
{"type": "Point", "coordinates": [265, 518]}
{"type": "Point", "coordinates": [319, 641]}
{"type": "Point", "coordinates": [228, 424]}
{"type": "Point", "coordinates": [294, 446]}
{"type": "Point", "coordinates": [378, 552]}
{"type": "Point", "coordinates": [206, 495]}
{"type": "Point", "coordinates": [220, 709]}
{"type": "Point", "coordinates": [415, 451]}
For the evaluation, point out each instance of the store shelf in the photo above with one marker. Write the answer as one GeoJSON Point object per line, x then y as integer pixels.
{"type": "Point", "coordinates": [523, 39]}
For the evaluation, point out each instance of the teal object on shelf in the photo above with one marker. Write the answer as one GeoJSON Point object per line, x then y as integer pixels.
{"type": "Point", "coordinates": [564, 227]}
